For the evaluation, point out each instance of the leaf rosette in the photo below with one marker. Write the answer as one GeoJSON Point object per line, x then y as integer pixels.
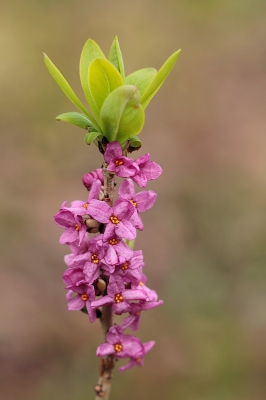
{"type": "Point", "coordinates": [117, 102]}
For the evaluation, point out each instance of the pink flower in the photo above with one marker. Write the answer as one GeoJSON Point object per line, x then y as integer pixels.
{"type": "Point", "coordinates": [118, 164]}
{"type": "Point", "coordinates": [141, 201]}
{"type": "Point", "coordinates": [117, 251]}
{"type": "Point", "coordinates": [148, 171]}
{"type": "Point", "coordinates": [131, 270]}
{"type": "Point", "coordinates": [118, 296]}
{"type": "Point", "coordinates": [92, 261]}
{"type": "Point", "coordinates": [116, 218]}
{"type": "Point", "coordinates": [79, 207]}
{"type": "Point", "coordinates": [139, 359]}
{"type": "Point", "coordinates": [85, 294]}
{"type": "Point", "coordinates": [133, 320]}
{"type": "Point", "coordinates": [123, 346]}
{"type": "Point", "coordinates": [75, 230]}
{"type": "Point", "coordinates": [91, 177]}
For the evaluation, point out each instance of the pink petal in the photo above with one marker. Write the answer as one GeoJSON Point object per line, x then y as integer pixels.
{"type": "Point", "coordinates": [105, 349]}
{"type": "Point", "coordinates": [126, 190]}
{"type": "Point", "coordinates": [100, 211]}
{"type": "Point", "coordinates": [125, 230]}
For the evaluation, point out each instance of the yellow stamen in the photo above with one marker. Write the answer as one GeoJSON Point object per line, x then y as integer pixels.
{"type": "Point", "coordinates": [138, 359]}
{"type": "Point", "coordinates": [114, 219]}
{"type": "Point", "coordinates": [113, 241]}
{"type": "Point", "coordinates": [95, 259]}
{"type": "Point", "coordinates": [118, 347]}
{"type": "Point", "coordinates": [77, 227]}
{"type": "Point", "coordinates": [118, 298]}
{"type": "Point", "coordinates": [141, 283]}
{"type": "Point", "coordinates": [84, 297]}
{"type": "Point", "coordinates": [124, 266]}
{"type": "Point", "coordinates": [86, 205]}
{"type": "Point", "coordinates": [119, 162]}
{"type": "Point", "coordinates": [134, 203]}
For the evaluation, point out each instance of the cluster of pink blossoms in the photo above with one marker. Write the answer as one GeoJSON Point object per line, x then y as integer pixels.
{"type": "Point", "coordinates": [104, 270]}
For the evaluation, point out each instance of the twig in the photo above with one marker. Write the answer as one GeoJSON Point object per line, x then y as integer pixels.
{"type": "Point", "coordinates": [103, 387]}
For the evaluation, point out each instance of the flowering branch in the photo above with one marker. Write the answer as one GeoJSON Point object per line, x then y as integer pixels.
{"type": "Point", "coordinates": [104, 275]}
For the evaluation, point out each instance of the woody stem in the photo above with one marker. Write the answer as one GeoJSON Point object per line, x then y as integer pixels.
{"type": "Point", "coordinates": [103, 387]}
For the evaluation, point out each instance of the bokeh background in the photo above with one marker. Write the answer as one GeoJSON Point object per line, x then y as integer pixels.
{"type": "Point", "coordinates": [204, 240]}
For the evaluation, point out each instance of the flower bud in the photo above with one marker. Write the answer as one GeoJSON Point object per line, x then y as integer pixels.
{"type": "Point", "coordinates": [89, 178]}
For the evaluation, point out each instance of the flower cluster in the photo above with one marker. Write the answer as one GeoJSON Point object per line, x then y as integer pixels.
{"type": "Point", "coordinates": [104, 269]}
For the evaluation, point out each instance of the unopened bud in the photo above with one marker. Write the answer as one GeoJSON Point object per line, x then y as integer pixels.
{"type": "Point", "coordinates": [91, 224]}
{"type": "Point", "coordinates": [101, 285]}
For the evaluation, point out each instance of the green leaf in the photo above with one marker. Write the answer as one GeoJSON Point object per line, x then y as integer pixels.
{"type": "Point", "coordinates": [75, 118]}
{"type": "Point", "coordinates": [159, 78]}
{"type": "Point", "coordinates": [115, 57]}
{"type": "Point", "coordinates": [90, 136]}
{"type": "Point", "coordinates": [122, 115]}
{"type": "Point", "coordinates": [90, 51]}
{"type": "Point", "coordinates": [141, 78]}
{"type": "Point", "coordinates": [64, 85]}
{"type": "Point", "coordinates": [103, 79]}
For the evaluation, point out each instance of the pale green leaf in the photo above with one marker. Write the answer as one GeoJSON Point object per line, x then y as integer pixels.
{"type": "Point", "coordinates": [103, 79]}
{"type": "Point", "coordinates": [75, 118]}
{"type": "Point", "coordinates": [122, 115]}
{"type": "Point", "coordinates": [90, 51]}
{"type": "Point", "coordinates": [64, 85]}
{"type": "Point", "coordinates": [158, 79]}
{"type": "Point", "coordinates": [90, 136]}
{"type": "Point", "coordinates": [141, 78]}
{"type": "Point", "coordinates": [115, 57]}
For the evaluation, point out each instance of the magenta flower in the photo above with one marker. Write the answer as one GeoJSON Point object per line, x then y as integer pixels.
{"type": "Point", "coordinates": [118, 164]}
{"type": "Point", "coordinates": [116, 218]}
{"type": "Point", "coordinates": [89, 178]}
{"type": "Point", "coordinates": [85, 294]}
{"type": "Point", "coordinates": [138, 358]}
{"type": "Point", "coordinates": [142, 201]}
{"type": "Point", "coordinates": [73, 277]}
{"type": "Point", "coordinates": [133, 320]}
{"type": "Point", "coordinates": [148, 171]}
{"type": "Point", "coordinates": [77, 249]}
{"type": "Point", "coordinates": [92, 261]}
{"type": "Point", "coordinates": [79, 207]}
{"type": "Point", "coordinates": [75, 230]}
{"type": "Point", "coordinates": [119, 297]}
{"type": "Point", "coordinates": [117, 251]}
{"type": "Point", "coordinates": [131, 270]}
{"type": "Point", "coordinates": [123, 346]}
{"type": "Point", "coordinates": [151, 294]}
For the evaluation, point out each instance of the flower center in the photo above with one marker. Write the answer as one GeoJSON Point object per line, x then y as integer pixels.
{"type": "Point", "coordinates": [113, 241]}
{"type": "Point", "coordinates": [77, 227]}
{"type": "Point", "coordinates": [137, 313]}
{"type": "Point", "coordinates": [124, 266]}
{"type": "Point", "coordinates": [118, 347]}
{"type": "Point", "coordinates": [114, 219]}
{"type": "Point", "coordinates": [86, 205]}
{"type": "Point", "coordinates": [134, 203]}
{"type": "Point", "coordinates": [95, 259]}
{"type": "Point", "coordinates": [141, 283]}
{"type": "Point", "coordinates": [84, 297]}
{"type": "Point", "coordinates": [119, 162]}
{"type": "Point", "coordinates": [138, 359]}
{"type": "Point", "coordinates": [118, 298]}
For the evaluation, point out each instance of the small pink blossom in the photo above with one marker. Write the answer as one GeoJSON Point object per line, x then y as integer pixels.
{"type": "Point", "coordinates": [118, 164]}
{"type": "Point", "coordinates": [148, 171]}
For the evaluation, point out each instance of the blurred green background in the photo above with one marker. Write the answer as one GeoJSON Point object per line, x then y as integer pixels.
{"type": "Point", "coordinates": [204, 240]}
